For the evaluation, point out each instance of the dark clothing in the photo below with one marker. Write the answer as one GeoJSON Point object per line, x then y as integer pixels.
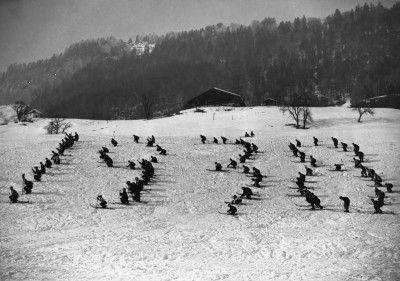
{"type": "Point", "coordinates": [218, 167]}
{"type": "Point", "coordinates": [356, 148]}
{"type": "Point", "coordinates": [203, 138]}
{"type": "Point", "coordinates": [389, 187]}
{"type": "Point", "coordinates": [114, 142]}
{"type": "Point", "coordinates": [344, 145]}
{"type": "Point", "coordinates": [163, 152]}
{"type": "Point", "coordinates": [136, 138]}
{"type": "Point", "coordinates": [215, 140]}
{"type": "Point", "coordinates": [47, 163]}
{"type": "Point", "coordinates": [309, 171]}
{"type": "Point", "coordinates": [346, 203]}
{"type": "Point", "coordinates": [361, 156]}
{"type": "Point", "coordinates": [246, 169]}
{"type": "Point", "coordinates": [315, 141]}
{"type": "Point", "coordinates": [223, 140]}
{"type": "Point", "coordinates": [338, 167]}
{"type": "Point", "coordinates": [302, 157]}
{"type": "Point", "coordinates": [233, 164]}
{"type": "Point", "coordinates": [154, 159]}
{"type": "Point", "coordinates": [247, 192]}
{"type": "Point", "coordinates": [298, 143]}
{"type": "Point", "coordinates": [131, 164]}
{"type": "Point", "coordinates": [14, 196]}
{"type": "Point", "coordinates": [377, 206]}
{"type": "Point", "coordinates": [124, 197]}
{"type": "Point", "coordinates": [335, 142]}
{"type": "Point", "coordinates": [313, 161]}
{"type": "Point", "coordinates": [28, 186]}
{"type": "Point", "coordinates": [232, 210]}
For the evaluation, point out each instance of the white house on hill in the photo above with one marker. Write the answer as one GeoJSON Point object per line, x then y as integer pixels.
{"type": "Point", "coordinates": [34, 113]}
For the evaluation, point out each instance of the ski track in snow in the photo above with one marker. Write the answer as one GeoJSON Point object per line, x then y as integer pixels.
{"type": "Point", "coordinates": [179, 235]}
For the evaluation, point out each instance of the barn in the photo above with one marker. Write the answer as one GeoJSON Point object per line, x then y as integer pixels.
{"type": "Point", "coordinates": [34, 113]}
{"type": "Point", "coordinates": [216, 97]}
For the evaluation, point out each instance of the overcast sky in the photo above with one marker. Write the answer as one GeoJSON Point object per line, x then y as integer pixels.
{"type": "Point", "coordinates": [36, 29]}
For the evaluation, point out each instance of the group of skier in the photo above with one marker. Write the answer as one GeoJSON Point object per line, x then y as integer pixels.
{"type": "Point", "coordinates": [136, 187]}
{"type": "Point", "coordinates": [27, 185]}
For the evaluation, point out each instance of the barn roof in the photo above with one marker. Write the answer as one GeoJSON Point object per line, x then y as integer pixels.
{"type": "Point", "coordinates": [215, 96]}
{"type": "Point", "coordinates": [35, 111]}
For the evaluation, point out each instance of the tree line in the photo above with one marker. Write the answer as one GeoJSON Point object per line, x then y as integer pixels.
{"type": "Point", "coordinates": [352, 53]}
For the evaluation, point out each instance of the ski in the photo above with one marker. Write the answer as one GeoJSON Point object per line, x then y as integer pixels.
{"type": "Point", "coordinates": [222, 171]}
{"type": "Point", "coordinates": [229, 214]}
{"type": "Point", "coordinates": [227, 202]}
{"type": "Point", "coordinates": [20, 202]}
{"type": "Point", "coordinates": [99, 207]}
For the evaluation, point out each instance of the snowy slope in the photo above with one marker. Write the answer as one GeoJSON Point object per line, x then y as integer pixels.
{"type": "Point", "coordinates": [179, 234]}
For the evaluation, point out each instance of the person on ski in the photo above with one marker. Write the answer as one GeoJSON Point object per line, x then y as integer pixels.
{"type": "Point", "coordinates": [344, 145]}
{"type": "Point", "coordinates": [381, 196]}
{"type": "Point", "coordinates": [338, 167]}
{"type": "Point", "coordinates": [363, 171]}
{"type": "Point", "coordinates": [256, 172]}
{"type": "Point", "coordinates": [223, 140]}
{"type": "Point", "coordinates": [246, 192]}
{"type": "Point", "coordinates": [14, 195]}
{"type": "Point", "coordinates": [254, 147]}
{"type": "Point", "coordinates": [76, 137]}
{"type": "Point", "coordinates": [371, 173]}
{"type": "Point", "coordinates": [42, 168]}
{"type": "Point", "coordinates": [37, 175]}
{"type": "Point", "coordinates": [103, 203]}
{"type": "Point", "coordinates": [313, 161]}
{"type": "Point", "coordinates": [163, 152]}
{"type": "Point", "coordinates": [356, 148]}
{"type": "Point", "coordinates": [47, 163]}
{"type": "Point", "coordinates": [218, 166]}
{"type": "Point", "coordinates": [256, 182]}
{"type": "Point", "coordinates": [335, 142]}
{"type": "Point", "coordinates": [302, 177]}
{"type": "Point", "coordinates": [114, 142]}
{"type": "Point", "coordinates": [237, 141]}
{"type": "Point", "coordinates": [302, 157]}
{"type": "Point", "coordinates": [298, 143]}
{"type": "Point", "coordinates": [246, 169]}
{"type": "Point", "coordinates": [203, 139]}
{"type": "Point", "coordinates": [232, 209]}
{"type": "Point", "coordinates": [28, 185]}
{"type": "Point", "coordinates": [361, 156]}
{"type": "Point", "coordinates": [232, 164]}
{"type": "Point", "coordinates": [124, 196]}
{"type": "Point", "coordinates": [313, 200]}
{"type": "Point", "coordinates": [236, 200]}
{"type": "Point", "coordinates": [252, 134]}
{"type": "Point", "coordinates": [309, 171]}
{"type": "Point", "coordinates": [56, 158]}
{"type": "Point", "coordinates": [301, 187]}
{"type": "Point", "coordinates": [315, 141]}
{"type": "Point", "coordinates": [346, 203]}
{"type": "Point", "coordinates": [149, 142]}
{"type": "Point", "coordinates": [136, 138]}
{"type": "Point", "coordinates": [377, 180]}
{"type": "Point", "coordinates": [131, 164]}
{"type": "Point", "coordinates": [246, 135]}
{"type": "Point", "coordinates": [377, 206]}
{"type": "Point", "coordinates": [357, 163]}
{"type": "Point", "coordinates": [153, 159]}
{"type": "Point", "coordinates": [242, 158]}
{"type": "Point", "coordinates": [389, 187]}
{"type": "Point", "coordinates": [215, 140]}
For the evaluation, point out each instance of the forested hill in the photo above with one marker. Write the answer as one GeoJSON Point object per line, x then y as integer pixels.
{"type": "Point", "coordinates": [352, 52]}
{"type": "Point", "coordinates": [26, 81]}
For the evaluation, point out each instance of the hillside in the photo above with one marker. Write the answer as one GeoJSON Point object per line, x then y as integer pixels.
{"type": "Point", "coordinates": [179, 234]}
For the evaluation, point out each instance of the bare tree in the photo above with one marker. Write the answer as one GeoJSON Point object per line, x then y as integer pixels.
{"type": "Point", "coordinates": [363, 110]}
{"type": "Point", "coordinates": [293, 107]}
{"type": "Point", "coordinates": [147, 103]}
{"type": "Point", "coordinates": [57, 125]}
{"type": "Point", "coordinates": [307, 116]}
{"type": "Point", "coordinates": [21, 109]}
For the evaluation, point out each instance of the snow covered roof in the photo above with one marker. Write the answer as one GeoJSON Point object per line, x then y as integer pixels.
{"type": "Point", "coordinates": [35, 111]}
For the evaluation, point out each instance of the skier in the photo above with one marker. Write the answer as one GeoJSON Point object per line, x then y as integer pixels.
{"type": "Point", "coordinates": [215, 140]}
{"type": "Point", "coordinates": [76, 137]}
{"type": "Point", "coordinates": [163, 152]}
{"type": "Point", "coordinates": [56, 158]}
{"type": "Point", "coordinates": [363, 171]}
{"type": "Point", "coordinates": [103, 203]}
{"type": "Point", "coordinates": [203, 139]}
{"type": "Point", "coordinates": [158, 147]}
{"type": "Point", "coordinates": [237, 141]}
{"type": "Point", "coordinates": [242, 158]}
{"type": "Point", "coordinates": [377, 206]}
{"type": "Point", "coordinates": [315, 141]}
{"type": "Point", "coordinates": [302, 157]}
{"type": "Point", "coordinates": [153, 159]}
{"type": "Point", "coordinates": [47, 163]}
{"type": "Point", "coordinates": [361, 156]}
{"type": "Point", "coordinates": [257, 182]}
{"type": "Point", "coordinates": [232, 164]}
{"type": "Point", "coordinates": [246, 192]}
{"type": "Point", "coordinates": [344, 145]}
{"type": "Point", "coordinates": [301, 187]}
{"type": "Point", "coordinates": [309, 171]}
{"type": "Point", "coordinates": [313, 161]}
{"type": "Point", "coordinates": [246, 169]}
{"type": "Point", "coordinates": [335, 142]}
{"type": "Point", "coordinates": [254, 147]}
{"type": "Point", "coordinates": [252, 134]}
{"type": "Point", "coordinates": [218, 166]}
{"type": "Point", "coordinates": [232, 209]}
{"type": "Point", "coordinates": [28, 185]}
{"type": "Point", "coordinates": [42, 168]}
{"type": "Point", "coordinates": [124, 196]}
{"type": "Point", "coordinates": [246, 135]}
{"type": "Point", "coordinates": [338, 167]}
{"type": "Point", "coordinates": [295, 151]}
{"type": "Point", "coordinates": [381, 196]}
{"type": "Point", "coordinates": [223, 140]}
{"type": "Point", "coordinates": [346, 203]}
{"type": "Point", "coordinates": [302, 177]}
{"type": "Point", "coordinates": [313, 200]}
{"type": "Point", "coordinates": [389, 187]}
{"type": "Point", "coordinates": [37, 175]}
{"type": "Point", "coordinates": [298, 143]}
{"type": "Point", "coordinates": [136, 138]}
{"type": "Point", "coordinates": [256, 172]}
{"type": "Point", "coordinates": [109, 161]}
{"type": "Point", "coordinates": [356, 148]}
{"type": "Point", "coordinates": [149, 142]}
{"type": "Point", "coordinates": [236, 200]}
{"type": "Point", "coordinates": [377, 180]}
{"type": "Point", "coordinates": [131, 164]}
{"type": "Point", "coordinates": [371, 173]}
{"type": "Point", "coordinates": [114, 142]}
{"type": "Point", "coordinates": [357, 163]}
{"type": "Point", "coordinates": [14, 195]}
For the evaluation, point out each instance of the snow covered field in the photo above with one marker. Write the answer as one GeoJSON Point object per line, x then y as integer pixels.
{"type": "Point", "coordinates": [179, 234]}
